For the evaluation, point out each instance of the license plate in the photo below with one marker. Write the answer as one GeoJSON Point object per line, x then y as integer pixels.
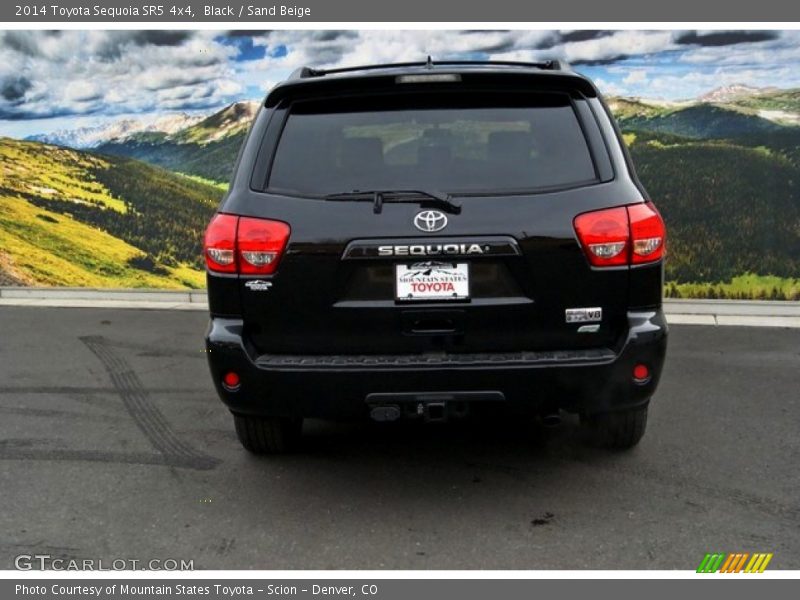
{"type": "Point", "coordinates": [432, 280]}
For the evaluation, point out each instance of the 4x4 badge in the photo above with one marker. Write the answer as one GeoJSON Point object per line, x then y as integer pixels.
{"type": "Point", "coordinates": [258, 285]}
{"type": "Point", "coordinates": [430, 221]}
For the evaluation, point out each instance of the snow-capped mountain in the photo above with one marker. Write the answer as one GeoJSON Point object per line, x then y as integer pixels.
{"type": "Point", "coordinates": [119, 130]}
{"type": "Point", "coordinates": [234, 118]}
{"type": "Point", "coordinates": [727, 93]}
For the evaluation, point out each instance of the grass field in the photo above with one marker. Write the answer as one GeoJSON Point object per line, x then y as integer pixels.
{"type": "Point", "coordinates": [220, 185]}
{"type": "Point", "coordinates": [742, 287]}
{"type": "Point", "coordinates": [39, 247]}
{"type": "Point", "coordinates": [51, 202]}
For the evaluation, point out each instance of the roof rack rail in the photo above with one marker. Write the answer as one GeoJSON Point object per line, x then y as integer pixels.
{"type": "Point", "coordinates": [303, 73]}
{"type": "Point", "coordinates": [549, 65]}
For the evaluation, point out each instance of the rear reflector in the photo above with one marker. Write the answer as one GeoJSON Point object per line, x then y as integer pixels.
{"type": "Point", "coordinates": [641, 373]}
{"type": "Point", "coordinates": [230, 381]}
{"type": "Point", "coordinates": [244, 244]}
{"type": "Point", "coordinates": [621, 236]}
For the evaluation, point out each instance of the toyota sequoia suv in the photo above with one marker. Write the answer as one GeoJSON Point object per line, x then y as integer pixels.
{"type": "Point", "coordinates": [435, 241]}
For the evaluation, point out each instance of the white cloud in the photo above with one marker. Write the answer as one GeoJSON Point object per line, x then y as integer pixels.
{"type": "Point", "coordinates": [622, 43]}
{"type": "Point", "coordinates": [636, 76]}
{"type": "Point", "coordinates": [608, 88]}
{"type": "Point", "coordinates": [120, 72]}
{"type": "Point", "coordinates": [83, 72]}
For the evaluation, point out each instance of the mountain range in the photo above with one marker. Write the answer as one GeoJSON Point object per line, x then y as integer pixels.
{"type": "Point", "coordinates": [769, 103]}
{"type": "Point", "coordinates": [121, 129]}
{"type": "Point", "coordinates": [729, 93]}
{"type": "Point", "coordinates": [726, 111]}
{"type": "Point", "coordinates": [209, 148]}
{"type": "Point", "coordinates": [206, 146]}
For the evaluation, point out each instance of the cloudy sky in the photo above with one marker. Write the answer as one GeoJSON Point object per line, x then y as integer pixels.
{"type": "Point", "coordinates": [66, 79]}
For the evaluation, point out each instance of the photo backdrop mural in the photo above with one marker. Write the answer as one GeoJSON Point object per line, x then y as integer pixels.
{"type": "Point", "coordinates": [115, 146]}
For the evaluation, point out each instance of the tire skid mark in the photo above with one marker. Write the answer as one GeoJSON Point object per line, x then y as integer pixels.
{"type": "Point", "coordinates": [76, 389]}
{"type": "Point", "coordinates": [145, 414]}
{"type": "Point", "coordinates": [128, 458]}
{"type": "Point", "coordinates": [50, 413]}
{"type": "Point", "coordinates": [147, 350]}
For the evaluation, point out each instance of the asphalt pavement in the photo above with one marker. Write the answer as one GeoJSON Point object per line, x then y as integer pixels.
{"type": "Point", "coordinates": [113, 445]}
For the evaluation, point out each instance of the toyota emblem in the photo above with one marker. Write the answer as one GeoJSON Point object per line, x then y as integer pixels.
{"type": "Point", "coordinates": [430, 221]}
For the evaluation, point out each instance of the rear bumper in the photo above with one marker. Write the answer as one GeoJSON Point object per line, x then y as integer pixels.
{"type": "Point", "coordinates": [335, 387]}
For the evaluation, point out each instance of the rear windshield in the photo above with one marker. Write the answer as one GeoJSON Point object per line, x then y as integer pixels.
{"type": "Point", "coordinates": [510, 142]}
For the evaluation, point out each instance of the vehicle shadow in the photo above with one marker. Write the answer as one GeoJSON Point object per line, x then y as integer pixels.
{"type": "Point", "coordinates": [438, 455]}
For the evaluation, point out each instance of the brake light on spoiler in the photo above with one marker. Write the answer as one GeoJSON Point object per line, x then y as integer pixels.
{"type": "Point", "coordinates": [626, 235]}
{"type": "Point", "coordinates": [244, 245]}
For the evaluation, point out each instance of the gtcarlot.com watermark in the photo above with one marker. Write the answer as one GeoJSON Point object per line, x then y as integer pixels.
{"type": "Point", "coordinates": [46, 562]}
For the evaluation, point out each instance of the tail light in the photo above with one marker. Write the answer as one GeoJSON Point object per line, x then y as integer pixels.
{"type": "Point", "coordinates": [220, 244]}
{"type": "Point", "coordinates": [647, 232]}
{"type": "Point", "coordinates": [626, 235]}
{"type": "Point", "coordinates": [260, 243]}
{"type": "Point", "coordinates": [244, 245]}
{"type": "Point", "coordinates": [604, 235]}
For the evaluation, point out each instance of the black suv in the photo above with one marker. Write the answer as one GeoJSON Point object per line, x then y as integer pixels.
{"type": "Point", "coordinates": [432, 241]}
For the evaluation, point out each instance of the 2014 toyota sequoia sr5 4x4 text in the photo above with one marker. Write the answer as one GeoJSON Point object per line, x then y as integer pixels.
{"type": "Point", "coordinates": [433, 241]}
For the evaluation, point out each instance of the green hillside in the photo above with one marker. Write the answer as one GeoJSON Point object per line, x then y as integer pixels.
{"type": "Point", "coordinates": [726, 180]}
{"type": "Point", "coordinates": [703, 121]}
{"type": "Point", "coordinates": [784, 100]}
{"type": "Point", "coordinates": [630, 108]}
{"type": "Point", "coordinates": [74, 218]}
{"type": "Point", "coordinates": [731, 209]}
{"type": "Point", "coordinates": [213, 161]}
{"type": "Point", "coordinates": [207, 149]}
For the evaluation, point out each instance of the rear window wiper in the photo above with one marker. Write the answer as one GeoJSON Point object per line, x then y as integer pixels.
{"type": "Point", "coordinates": [378, 197]}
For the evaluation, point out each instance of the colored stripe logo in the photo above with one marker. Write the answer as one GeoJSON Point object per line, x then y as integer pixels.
{"type": "Point", "coordinates": [736, 562]}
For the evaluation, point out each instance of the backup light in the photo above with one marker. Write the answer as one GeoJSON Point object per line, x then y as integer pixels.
{"type": "Point", "coordinates": [607, 251]}
{"type": "Point", "coordinates": [646, 246]}
{"type": "Point", "coordinates": [221, 256]}
{"type": "Point", "coordinates": [258, 259]}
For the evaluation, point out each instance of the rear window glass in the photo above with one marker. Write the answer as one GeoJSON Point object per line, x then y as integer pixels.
{"type": "Point", "coordinates": [510, 142]}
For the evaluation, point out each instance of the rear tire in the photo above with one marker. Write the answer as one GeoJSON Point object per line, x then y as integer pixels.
{"type": "Point", "coordinates": [268, 435]}
{"type": "Point", "coordinates": [620, 430]}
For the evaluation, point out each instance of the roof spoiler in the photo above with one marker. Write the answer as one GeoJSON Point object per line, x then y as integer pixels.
{"type": "Point", "coordinates": [307, 82]}
{"type": "Point", "coordinates": [546, 65]}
